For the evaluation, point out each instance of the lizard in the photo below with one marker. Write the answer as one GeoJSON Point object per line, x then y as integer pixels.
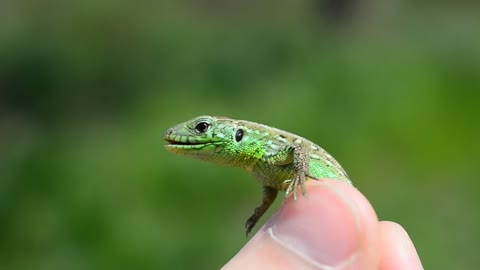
{"type": "Point", "coordinates": [279, 160]}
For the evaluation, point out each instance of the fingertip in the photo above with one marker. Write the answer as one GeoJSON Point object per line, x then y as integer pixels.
{"type": "Point", "coordinates": [323, 227]}
{"type": "Point", "coordinates": [334, 227]}
{"type": "Point", "coordinates": [398, 250]}
{"type": "Point", "coordinates": [367, 256]}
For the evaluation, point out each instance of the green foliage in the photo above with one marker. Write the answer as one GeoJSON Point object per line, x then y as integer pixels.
{"type": "Point", "coordinates": [87, 90]}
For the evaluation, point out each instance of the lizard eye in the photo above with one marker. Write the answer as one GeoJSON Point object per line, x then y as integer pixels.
{"type": "Point", "coordinates": [239, 135]}
{"type": "Point", "coordinates": [202, 127]}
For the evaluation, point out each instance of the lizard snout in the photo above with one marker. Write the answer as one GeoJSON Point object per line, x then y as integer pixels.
{"type": "Point", "coordinates": [168, 132]}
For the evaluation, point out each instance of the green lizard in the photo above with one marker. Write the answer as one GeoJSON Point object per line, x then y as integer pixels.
{"type": "Point", "coordinates": [278, 159]}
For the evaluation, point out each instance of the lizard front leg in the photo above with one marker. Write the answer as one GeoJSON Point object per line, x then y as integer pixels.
{"type": "Point", "coordinates": [300, 167]}
{"type": "Point", "coordinates": [269, 195]}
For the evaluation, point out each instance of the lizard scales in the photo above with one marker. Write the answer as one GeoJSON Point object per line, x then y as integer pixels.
{"type": "Point", "coordinates": [279, 160]}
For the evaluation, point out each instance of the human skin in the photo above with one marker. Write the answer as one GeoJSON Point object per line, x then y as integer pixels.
{"type": "Point", "coordinates": [334, 227]}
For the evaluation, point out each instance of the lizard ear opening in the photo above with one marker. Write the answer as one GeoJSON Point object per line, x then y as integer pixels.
{"type": "Point", "coordinates": [239, 135]}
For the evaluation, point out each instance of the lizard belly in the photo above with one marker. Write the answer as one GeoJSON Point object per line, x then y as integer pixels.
{"type": "Point", "coordinates": [272, 175]}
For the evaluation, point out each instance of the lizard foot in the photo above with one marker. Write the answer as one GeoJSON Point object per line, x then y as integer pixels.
{"type": "Point", "coordinates": [298, 179]}
{"type": "Point", "coordinates": [269, 195]}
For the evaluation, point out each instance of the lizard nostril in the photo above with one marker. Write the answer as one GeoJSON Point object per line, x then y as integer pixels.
{"type": "Point", "coordinates": [168, 132]}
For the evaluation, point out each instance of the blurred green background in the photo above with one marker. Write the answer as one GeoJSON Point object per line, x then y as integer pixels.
{"type": "Point", "coordinates": [87, 88]}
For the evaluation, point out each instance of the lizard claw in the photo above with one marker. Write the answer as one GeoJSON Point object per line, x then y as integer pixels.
{"type": "Point", "coordinates": [249, 225]}
{"type": "Point", "coordinates": [289, 187]}
{"type": "Point", "coordinates": [293, 186]}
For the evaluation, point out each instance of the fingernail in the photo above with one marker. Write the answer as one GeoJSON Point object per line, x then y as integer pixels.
{"type": "Point", "coordinates": [323, 228]}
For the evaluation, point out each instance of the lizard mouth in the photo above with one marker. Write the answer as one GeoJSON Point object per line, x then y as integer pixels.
{"type": "Point", "coordinates": [172, 142]}
{"type": "Point", "coordinates": [178, 144]}
{"type": "Point", "coordinates": [185, 145]}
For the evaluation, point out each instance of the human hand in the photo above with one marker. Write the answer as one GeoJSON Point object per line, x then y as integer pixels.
{"type": "Point", "coordinates": [334, 228]}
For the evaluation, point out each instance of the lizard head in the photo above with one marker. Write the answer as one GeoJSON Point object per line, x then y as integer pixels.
{"type": "Point", "coordinates": [215, 139]}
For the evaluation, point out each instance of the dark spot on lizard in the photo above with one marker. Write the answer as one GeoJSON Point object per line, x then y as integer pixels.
{"type": "Point", "coordinates": [239, 135]}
